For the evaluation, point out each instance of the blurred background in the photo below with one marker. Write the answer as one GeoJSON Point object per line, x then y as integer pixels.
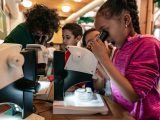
{"type": "Point", "coordinates": [79, 11]}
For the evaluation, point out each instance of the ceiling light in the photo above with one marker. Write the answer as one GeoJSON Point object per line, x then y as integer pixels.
{"type": "Point", "coordinates": [77, 0]}
{"type": "Point", "coordinates": [27, 3]}
{"type": "Point", "coordinates": [66, 8]}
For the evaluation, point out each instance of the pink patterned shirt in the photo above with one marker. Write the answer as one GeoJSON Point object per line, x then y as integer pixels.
{"type": "Point", "coordinates": [139, 61]}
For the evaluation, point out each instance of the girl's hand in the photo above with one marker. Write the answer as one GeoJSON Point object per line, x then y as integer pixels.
{"type": "Point", "coordinates": [99, 49]}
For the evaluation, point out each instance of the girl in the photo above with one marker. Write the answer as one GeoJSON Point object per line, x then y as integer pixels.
{"type": "Point", "coordinates": [100, 76]}
{"type": "Point", "coordinates": [135, 68]}
{"type": "Point", "coordinates": [88, 35]}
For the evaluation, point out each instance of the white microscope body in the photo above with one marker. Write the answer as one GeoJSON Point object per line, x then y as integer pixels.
{"type": "Point", "coordinates": [80, 67]}
{"type": "Point", "coordinates": [11, 62]}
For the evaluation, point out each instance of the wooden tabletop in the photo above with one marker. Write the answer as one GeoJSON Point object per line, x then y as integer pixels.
{"type": "Point", "coordinates": [44, 109]}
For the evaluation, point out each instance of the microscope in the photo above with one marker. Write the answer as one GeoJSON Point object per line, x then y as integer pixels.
{"type": "Point", "coordinates": [18, 74]}
{"type": "Point", "coordinates": [41, 57]}
{"type": "Point", "coordinates": [80, 67]}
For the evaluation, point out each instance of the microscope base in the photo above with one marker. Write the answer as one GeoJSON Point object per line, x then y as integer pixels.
{"type": "Point", "coordinates": [59, 107]}
{"type": "Point", "coordinates": [18, 93]}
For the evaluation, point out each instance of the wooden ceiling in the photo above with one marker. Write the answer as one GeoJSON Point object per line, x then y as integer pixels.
{"type": "Point", "coordinates": [56, 4]}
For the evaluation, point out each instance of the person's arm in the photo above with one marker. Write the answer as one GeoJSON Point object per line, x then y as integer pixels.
{"type": "Point", "coordinates": [102, 54]}
{"type": "Point", "coordinates": [98, 81]}
{"type": "Point", "coordinates": [123, 83]}
{"type": "Point", "coordinates": [142, 72]}
{"type": "Point", "coordinates": [102, 72]}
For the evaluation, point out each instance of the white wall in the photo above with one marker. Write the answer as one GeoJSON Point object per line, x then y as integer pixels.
{"type": "Point", "coordinates": [139, 3]}
{"type": "Point", "coordinates": [12, 22]}
{"type": "Point", "coordinates": [15, 22]}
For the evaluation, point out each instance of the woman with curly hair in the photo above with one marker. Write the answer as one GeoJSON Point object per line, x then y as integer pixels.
{"type": "Point", "coordinates": [38, 28]}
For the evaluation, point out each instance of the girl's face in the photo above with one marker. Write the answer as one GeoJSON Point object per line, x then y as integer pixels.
{"type": "Point", "coordinates": [69, 38]}
{"type": "Point", "coordinates": [115, 27]}
{"type": "Point", "coordinates": [90, 36]}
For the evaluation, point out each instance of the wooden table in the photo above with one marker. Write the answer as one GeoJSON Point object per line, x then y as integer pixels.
{"type": "Point", "coordinates": [116, 112]}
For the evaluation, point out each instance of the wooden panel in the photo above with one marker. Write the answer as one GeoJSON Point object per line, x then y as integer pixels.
{"type": "Point", "coordinates": [146, 16]}
{"type": "Point", "coordinates": [116, 112]}
{"type": "Point", "coordinates": [150, 19]}
{"type": "Point", "coordinates": [75, 6]}
{"type": "Point", "coordinates": [143, 16]}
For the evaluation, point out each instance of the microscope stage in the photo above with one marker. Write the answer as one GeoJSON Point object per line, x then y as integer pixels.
{"type": "Point", "coordinates": [72, 105]}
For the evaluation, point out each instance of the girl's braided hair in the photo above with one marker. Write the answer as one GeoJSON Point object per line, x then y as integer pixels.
{"type": "Point", "coordinates": [116, 7]}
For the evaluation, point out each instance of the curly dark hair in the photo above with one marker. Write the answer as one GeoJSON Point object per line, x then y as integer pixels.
{"type": "Point", "coordinates": [74, 28]}
{"type": "Point", "coordinates": [115, 8]}
{"type": "Point", "coordinates": [41, 18]}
